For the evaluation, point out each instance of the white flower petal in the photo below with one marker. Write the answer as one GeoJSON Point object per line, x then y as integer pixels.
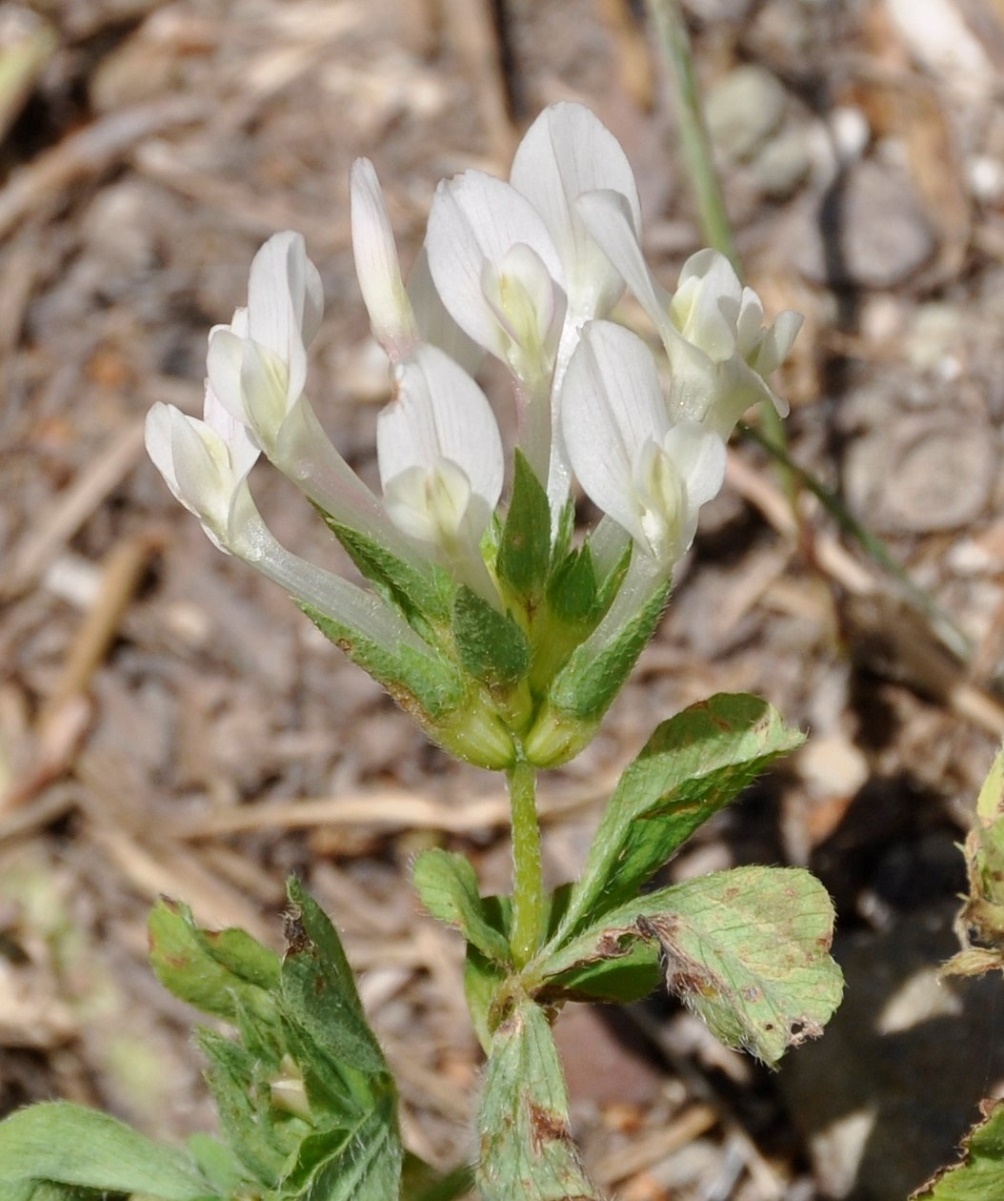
{"type": "Point", "coordinates": [284, 294]}
{"type": "Point", "coordinates": [244, 450]}
{"type": "Point", "coordinates": [431, 504]}
{"type": "Point", "coordinates": [284, 305]}
{"type": "Point", "coordinates": [157, 436]}
{"type": "Point", "coordinates": [608, 218]}
{"type": "Point", "coordinates": [195, 464]}
{"type": "Point", "coordinates": [700, 457]}
{"type": "Point", "coordinates": [567, 151]}
{"type": "Point", "coordinates": [265, 390]}
{"type": "Point", "coordinates": [611, 406]}
{"type": "Point", "coordinates": [441, 413]}
{"type": "Point", "coordinates": [706, 305]}
{"type": "Point", "coordinates": [527, 304]}
{"type": "Point", "coordinates": [377, 267]}
{"type": "Point", "coordinates": [224, 359]}
{"type": "Point", "coordinates": [777, 342]}
{"type": "Point", "coordinates": [475, 217]}
{"type": "Point", "coordinates": [749, 324]}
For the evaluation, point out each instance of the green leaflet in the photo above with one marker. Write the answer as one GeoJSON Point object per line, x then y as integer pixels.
{"type": "Point", "coordinates": [746, 949]}
{"type": "Point", "coordinates": [448, 888]}
{"type": "Point", "coordinates": [319, 991]}
{"type": "Point", "coordinates": [693, 765]}
{"type": "Point", "coordinates": [63, 1144]}
{"type": "Point", "coordinates": [216, 971]}
{"type": "Point", "coordinates": [526, 1148]}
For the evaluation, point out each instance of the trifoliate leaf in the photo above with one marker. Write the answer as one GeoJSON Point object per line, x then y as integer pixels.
{"type": "Point", "coordinates": [747, 950]}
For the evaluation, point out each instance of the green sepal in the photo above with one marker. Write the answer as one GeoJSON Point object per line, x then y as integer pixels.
{"type": "Point", "coordinates": [564, 532]}
{"type": "Point", "coordinates": [526, 1146]}
{"type": "Point", "coordinates": [491, 646]}
{"type": "Point", "coordinates": [573, 590]}
{"type": "Point", "coordinates": [216, 971]}
{"type": "Point", "coordinates": [585, 687]}
{"type": "Point", "coordinates": [68, 1147]}
{"type": "Point", "coordinates": [220, 1166]}
{"type": "Point", "coordinates": [607, 586]}
{"type": "Point", "coordinates": [525, 549]}
{"type": "Point", "coordinates": [318, 990]}
{"type": "Point", "coordinates": [694, 764]}
{"type": "Point", "coordinates": [421, 595]}
{"type": "Point", "coordinates": [746, 949]}
{"type": "Point", "coordinates": [448, 887]}
{"type": "Point", "coordinates": [425, 685]}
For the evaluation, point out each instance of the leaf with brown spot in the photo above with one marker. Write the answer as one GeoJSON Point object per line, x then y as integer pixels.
{"type": "Point", "coordinates": [218, 971]}
{"type": "Point", "coordinates": [318, 989]}
{"type": "Point", "coordinates": [747, 950]}
{"type": "Point", "coordinates": [526, 1148]}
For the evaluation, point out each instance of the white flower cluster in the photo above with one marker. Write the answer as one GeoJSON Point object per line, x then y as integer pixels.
{"type": "Point", "coordinates": [527, 271]}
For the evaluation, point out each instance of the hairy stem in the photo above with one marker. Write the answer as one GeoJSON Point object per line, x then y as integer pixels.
{"type": "Point", "coordinates": [528, 909]}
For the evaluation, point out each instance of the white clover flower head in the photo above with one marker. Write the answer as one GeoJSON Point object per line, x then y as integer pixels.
{"type": "Point", "coordinates": [646, 471]}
